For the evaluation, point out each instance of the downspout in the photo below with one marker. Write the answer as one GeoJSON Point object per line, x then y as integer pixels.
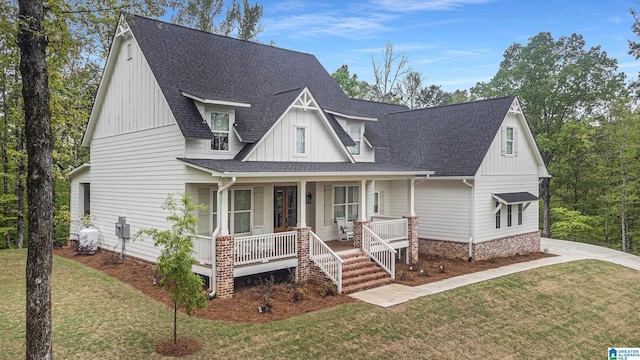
{"type": "Point", "coordinates": [212, 281]}
{"type": "Point", "coordinates": [471, 220]}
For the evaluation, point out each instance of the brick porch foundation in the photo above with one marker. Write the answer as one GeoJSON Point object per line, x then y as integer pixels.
{"type": "Point", "coordinates": [224, 262]}
{"type": "Point", "coordinates": [502, 247]}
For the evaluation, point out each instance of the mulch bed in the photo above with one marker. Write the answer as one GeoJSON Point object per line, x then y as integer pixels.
{"type": "Point", "coordinates": [245, 304]}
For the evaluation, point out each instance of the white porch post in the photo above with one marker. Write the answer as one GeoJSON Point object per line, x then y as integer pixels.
{"type": "Point", "coordinates": [411, 192]}
{"type": "Point", "coordinates": [302, 204]}
{"type": "Point", "coordinates": [223, 212]}
{"type": "Point", "coordinates": [362, 201]}
{"type": "Point", "coordinates": [371, 188]}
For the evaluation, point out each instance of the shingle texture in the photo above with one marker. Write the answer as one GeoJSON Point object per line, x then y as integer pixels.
{"type": "Point", "coordinates": [517, 197]}
{"type": "Point", "coordinates": [449, 140]}
{"type": "Point", "coordinates": [306, 167]}
{"type": "Point", "coordinates": [222, 68]}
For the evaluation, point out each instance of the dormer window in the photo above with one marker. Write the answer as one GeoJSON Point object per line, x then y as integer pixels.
{"type": "Point", "coordinates": [219, 131]}
{"type": "Point", "coordinates": [355, 131]}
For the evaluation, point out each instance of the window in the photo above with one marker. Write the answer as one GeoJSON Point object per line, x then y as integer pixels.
{"type": "Point", "coordinates": [509, 141]}
{"type": "Point", "coordinates": [345, 202]}
{"type": "Point", "coordinates": [239, 205]}
{"type": "Point", "coordinates": [376, 202]}
{"type": "Point", "coordinates": [129, 52]}
{"type": "Point", "coordinates": [509, 209]}
{"type": "Point", "coordinates": [301, 143]}
{"type": "Point", "coordinates": [355, 131]}
{"type": "Point", "coordinates": [498, 216]}
{"type": "Point", "coordinates": [220, 131]}
{"type": "Point", "coordinates": [519, 214]}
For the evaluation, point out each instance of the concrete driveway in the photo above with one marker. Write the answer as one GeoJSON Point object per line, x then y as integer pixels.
{"type": "Point", "coordinates": [395, 294]}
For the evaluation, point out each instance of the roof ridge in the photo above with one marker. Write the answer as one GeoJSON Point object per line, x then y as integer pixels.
{"type": "Point", "coordinates": [458, 104]}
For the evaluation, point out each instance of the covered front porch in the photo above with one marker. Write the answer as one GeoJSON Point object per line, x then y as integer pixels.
{"type": "Point", "coordinates": [229, 257]}
{"type": "Point", "coordinates": [268, 220]}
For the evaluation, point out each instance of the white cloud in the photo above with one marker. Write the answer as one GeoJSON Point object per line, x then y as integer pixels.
{"type": "Point", "coordinates": [424, 5]}
{"type": "Point", "coordinates": [336, 24]}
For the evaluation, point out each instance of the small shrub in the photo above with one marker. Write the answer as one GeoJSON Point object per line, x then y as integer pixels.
{"type": "Point", "coordinates": [328, 289]}
{"type": "Point", "coordinates": [266, 288]}
{"type": "Point", "coordinates": [109, 258]}
{"type": "Point", "coordinates": [405, 275]}
{"type": "Point", "coordinates": [441, 269]}
{"type": "Point", "coordinates": [298, 294]}
{"type": "Point", "coordinates": [424, 271]}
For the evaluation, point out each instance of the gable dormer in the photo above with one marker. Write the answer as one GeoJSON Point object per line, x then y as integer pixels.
{"type": "Point", "coordinates": [355, 126]}
{"type": "Point", "coordinates": [220, 118]}
{"type": "Point", "coordinates": [301, 133]}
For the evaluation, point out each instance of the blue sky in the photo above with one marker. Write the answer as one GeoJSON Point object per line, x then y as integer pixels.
{"type": "Point", "coordinates": [453, 43]}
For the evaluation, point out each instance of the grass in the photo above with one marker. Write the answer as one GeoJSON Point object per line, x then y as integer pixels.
{"type": "Point", "coordinates": [575, 310]}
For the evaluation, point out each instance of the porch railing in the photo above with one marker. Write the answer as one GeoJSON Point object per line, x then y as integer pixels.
{"type": "Point", "coordinates": [391, 230]}
{"type": "Point", "coordinates": [327, 260]}
{"type": "Point", "coordinates": [379, 251]}
{"type": "Point", "coordinates": [202, 249]}
{"type": "Point", "coordinates": [376, 218]}
{"type": "Point", "coordinates": [264, 248]}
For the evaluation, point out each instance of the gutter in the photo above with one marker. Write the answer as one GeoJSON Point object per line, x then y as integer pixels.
{"type": "Point", "coordinates": [212, 281]}
{"type": "Point", "coordinates": [471, 220]}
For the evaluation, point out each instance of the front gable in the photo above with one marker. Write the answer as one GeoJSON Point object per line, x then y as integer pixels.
{"type": "Point", "coordinates": [301, 134]}
{"type": "Point", "coordinates": [129, 98]}
{"type": "Point", "coordinates": [513, 150]}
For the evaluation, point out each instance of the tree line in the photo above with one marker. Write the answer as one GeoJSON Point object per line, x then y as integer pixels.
{"type": "Point", "coordinates": [582, 112]}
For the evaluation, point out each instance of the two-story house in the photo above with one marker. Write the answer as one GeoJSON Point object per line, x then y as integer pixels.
{"type": "Point", "coordinates": [287, 163]}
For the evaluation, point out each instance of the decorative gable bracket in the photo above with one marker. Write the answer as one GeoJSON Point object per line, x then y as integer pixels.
{"type": "Point", "coordinates": [305, 102]}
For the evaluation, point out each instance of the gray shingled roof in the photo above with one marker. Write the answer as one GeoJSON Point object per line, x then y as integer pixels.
{"type": "Point", "coordinates": [222, 68]}
{"type": "Point", "coordinates": [450, 140]}
{"type": "Point", "coordinates": [517, 197]}
{"type": "Point", "coordinates": [321, 168]}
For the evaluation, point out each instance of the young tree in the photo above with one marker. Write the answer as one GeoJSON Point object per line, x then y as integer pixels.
{"type": "Point", "coordinates": [388, 72]}
{"type": "Point", "coordinates": [175, 260]}
{"type": "Point", "coordinates": [350, 84]}
{"type": "Point", "coordinates": [556, 81]}
{"type": "Point", "coordinates": [32, 40]}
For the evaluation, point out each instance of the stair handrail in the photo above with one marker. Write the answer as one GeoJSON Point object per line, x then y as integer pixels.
{"type": "Point", "coordinates": [384, 255]}
{"type": "Point", "coordinates": [326, 259]}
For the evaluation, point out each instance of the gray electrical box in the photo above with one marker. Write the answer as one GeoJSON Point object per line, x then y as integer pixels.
{"type": "Point", "coordinates": [122, 228]}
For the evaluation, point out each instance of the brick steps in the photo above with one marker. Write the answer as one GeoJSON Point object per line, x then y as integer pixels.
{"type": "Point", "coordinates": [360, 273]}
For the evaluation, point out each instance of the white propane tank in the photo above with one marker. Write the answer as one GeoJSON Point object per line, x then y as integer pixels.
{"type": "Point", "coordinates": [88, 240]}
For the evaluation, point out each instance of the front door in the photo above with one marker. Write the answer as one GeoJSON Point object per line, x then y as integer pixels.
{"type": "Point", "coordinates": [285, 208]}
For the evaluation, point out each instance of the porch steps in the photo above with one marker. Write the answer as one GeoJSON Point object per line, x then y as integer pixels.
{"type": "Point", "coordinates": [359, 273]}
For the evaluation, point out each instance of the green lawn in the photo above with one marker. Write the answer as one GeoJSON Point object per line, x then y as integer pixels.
{"type": "Point", "coordinates": [572, 311]}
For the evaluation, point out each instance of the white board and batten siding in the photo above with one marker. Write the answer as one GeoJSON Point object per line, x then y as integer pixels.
{"type": "Point", "coordinates": [367, 153]}
{"type": "Point", "coordinates": [279, 143]}
{"type": "Point", "coordinates": [133, 100]}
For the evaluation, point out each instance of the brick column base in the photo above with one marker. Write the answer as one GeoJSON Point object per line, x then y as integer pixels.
{"type": "Point", "coordinates": [304, 262]}
{"type": "Point", "coordinates": [224, 264]}
{"type": "Point", "coordinates": [357, 232]}
{"type": "Point", "coordinates": [413, 238]}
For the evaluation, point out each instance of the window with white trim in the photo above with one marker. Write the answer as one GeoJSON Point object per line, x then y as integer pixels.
{"type": "Point", "coordinates": [509, 214]}
{"type": "Point", "coordinates": [345, 202]}
{"type": "Point", "coordinates": [239, 205]}
{"type": "Point", "coordinates": [355, 131]}
{"type": "Point", "coordinates": [498, 216]}
{"type": "Point", "coordinates": [376, 202]}
{"type": "Point", "coordinates": [219, 131]}
{"type": "Point", "coordinates": [300, 140]}
{"type": "Point", "coordinates": [509, 141]}
{"type": "Point", "coordinates": [519, 214]}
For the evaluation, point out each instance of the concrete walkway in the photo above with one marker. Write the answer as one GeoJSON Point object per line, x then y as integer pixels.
{"type": "Point", "coordinates": [395, 294]}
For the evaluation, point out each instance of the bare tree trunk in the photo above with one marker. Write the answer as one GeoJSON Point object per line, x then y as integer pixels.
{"type": "Point", "coordinates": [35, 92]}
{"type": "Point", "coordinates": [545, 191]}
{"type": "Point", "coordinates": [5, 158]}
{"type": "Point", "coordinates": [623, 213]}
{"type": "Point", "coordinates": [20, 193]}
